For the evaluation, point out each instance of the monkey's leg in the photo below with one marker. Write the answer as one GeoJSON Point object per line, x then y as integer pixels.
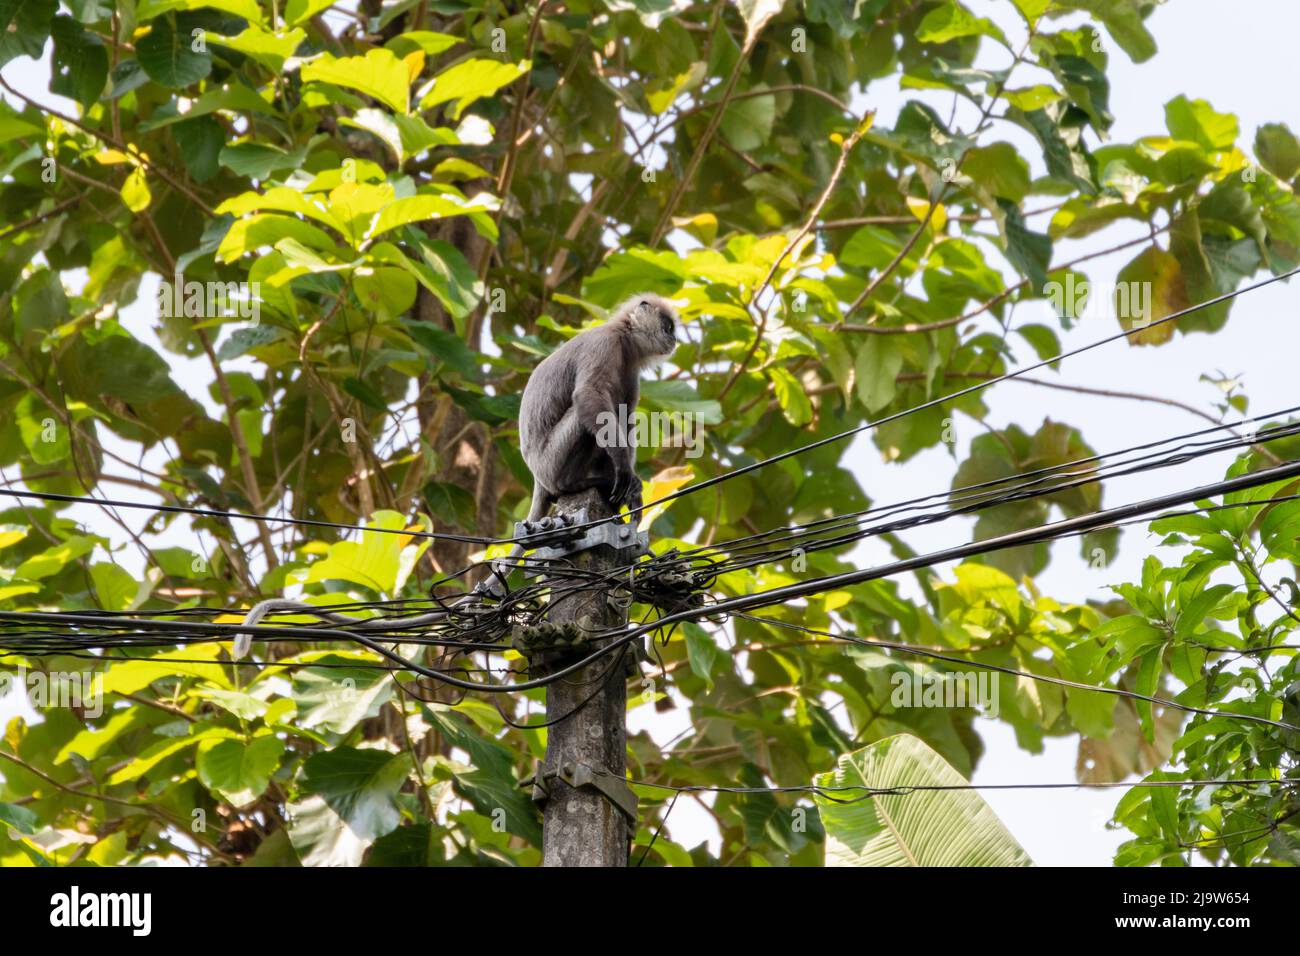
{"type": "Point", "coordinates": [542, 501]}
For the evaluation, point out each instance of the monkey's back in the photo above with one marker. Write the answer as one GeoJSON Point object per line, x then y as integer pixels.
{"type": "Point", "coordinates": [547, 396]}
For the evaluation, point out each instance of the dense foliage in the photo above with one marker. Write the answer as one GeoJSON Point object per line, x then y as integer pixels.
{"type": "Point", "coordinates": [433, 197]}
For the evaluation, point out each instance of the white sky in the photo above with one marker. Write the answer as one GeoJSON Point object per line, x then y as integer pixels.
{"type": "Point", "coordinates": [1241, 62]}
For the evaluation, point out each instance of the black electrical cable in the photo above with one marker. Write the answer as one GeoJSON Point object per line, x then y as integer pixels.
{"type": "Point", "coordinates": [780, 595]}
{"type": "Point", "coordinates": [216, 513]}
{"type": "Point", "coordinates": [1014, 492]}
{"type": "Point", "coordinates": [659, 829]}
{"type": "Point", "coordinates": [618, 639]}
{"type": "Point", "coordinates": [907, 789]}
{"type": "Point", "coordinates": [960, 393]}
{"type": "Point", "coordinates": [937, 655]}
{"type": "Point", "coordinates": [690, 489]}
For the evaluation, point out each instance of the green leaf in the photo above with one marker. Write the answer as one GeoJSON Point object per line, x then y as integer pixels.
{"type": "Point", "coordinates": [630, 271]}
{"type": "Point", "coordinates": [702, 651]}
{"type": "Point", "coordinates": [168, 56]}
{"type": "Point", "coordinates": [1278, 150]}
{"type": "Point", "coordinates": [1060, 135]}
{"type": "Point", "coordinates": [406, 136]}
{"type": "Point", "coordinates": [679, 396]}
{"type": "Point", "coordinates": [953, 21]}
{"type": "Point", "coordinates": [130, 676]}
{"type": "Point", "coordinates": [114, 586]}
{"type": "Point", "coordinates": [336, 698]}
{"type": "Point", "coordinates": [268, 49]}
{"type": "Point", "coordinates": [1044, 340]}
{"type": "Point", "coordinates": [427, 41]}
{"type": "Point", "coordinates": [117, 366]}
{"type": "Point", "coordinates": [353, 802]}
{"type": "Point", "coordinates": [1197, 122]}
{"type": "Point", "coordinates": [246, 9]}
{"type": "Point", "coordinates": [493, 409]}
{"type": "Point", "coordinates": [200, 141]}
{"type": "Point", "coordinates": [747, 124]}
{"type": "Point", "coordinates": [362, 391]}
{"type": "Point", "coordinates": [24, 27]}
{"type": "Point", "coordinates": [55, 558]}
{"type": "Point", "coordinates": [1198, 608]}
{"type": "Point", "coordinates": [135, 192]}
{"type": "Point", "coordinates": [756, 14]}
{"type": "Point", "coordinates": [920, 828]}
{"type": "Point", "coordinates": [1128, 636]}
{"type": "Point", "coordinates": [20, 818]}
{"type": "Point", "coordinates": [296, 11]}
{"type": "Point", "coordinates": [376, 561]}
{"type": "Point", "coordinates": [662, 93]}
{"type": "Point", "coordinates": [447, 347]}
{"type": "Point", "coordinates": [1000, 169]}
{"type": "Point", "coordinates": [1032, 10]}
{"type": "Point", "coordinates": [1030, 252]}
{"type": "Point", "coordinates": [378, 74]}
{"type": "Point", "coordinates": [239, 772]}
{"type": "Point", "coordinates": [452, 503]}
{"type": "Point", "coordinates": [156, 753]}
{"type": "Point", "coordinates": [443, 270]}
{"type": "Point", "coordinates": [45, 438]}
{"type": "Point", "coordinates": [266, 229]}
{"type": "Point", "coordinates": [259, 160]}
{"type": "Point", "coordinates": [13, 126]}
{"type": "Point", "coordinates": [1147, 682]}
{"type": "Point", "coordinates": [471, 80]}
{"type": "Point", "coordinates": [876, 370]}
{"type": "Point", "coordinates": [488, 781]}
{"type": "Point", "coordinates": [410, 209]}
{"type": "Point", "coordinates": [1123, 21]}
{"type": "Point", "coordinates": [791, 396]}
{"type": "Point", "coordinates": [386, 291]}
{"type": "Point", "coordinates": [80, 65]}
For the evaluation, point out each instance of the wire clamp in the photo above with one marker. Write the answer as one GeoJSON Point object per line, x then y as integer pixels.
{"type": "Point", "coordinates": [552, 530]}
{"type": "Point", "coordinates": [566, 541]}
{"type": "Point", "coordinates": [579, 774]}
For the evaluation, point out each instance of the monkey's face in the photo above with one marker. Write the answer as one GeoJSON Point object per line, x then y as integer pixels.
{"type": "Point", "coordinates": [656, 324]}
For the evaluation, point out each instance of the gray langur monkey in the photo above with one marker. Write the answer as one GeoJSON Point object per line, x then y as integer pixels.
{"type": "Point", "coordinates": [564, 419]}
{"type": "Point", "coordinates": [582, 395]}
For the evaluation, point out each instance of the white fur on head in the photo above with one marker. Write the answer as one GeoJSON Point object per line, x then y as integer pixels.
{"type": "Point", "coordinates": [655, 323]}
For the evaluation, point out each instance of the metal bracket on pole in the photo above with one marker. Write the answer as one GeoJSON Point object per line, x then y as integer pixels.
{"type": "Point", "coordinates": [577, 775]}
{"type": "Point", "coordinates": [562, 536]}
{"type": "Point", "coordinates": [554, 530]}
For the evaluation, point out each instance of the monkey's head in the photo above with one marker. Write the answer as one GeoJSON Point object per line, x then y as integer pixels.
{"type": "Point", "coordinates": [653, 324]}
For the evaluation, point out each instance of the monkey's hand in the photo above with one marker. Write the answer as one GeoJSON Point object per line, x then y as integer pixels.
{"type": "Point", "coordinates": [626, 486]}
{"type": "Point", "coordinates": [626, 489]}
{"type": "Point", "coordinates": [633, 496]}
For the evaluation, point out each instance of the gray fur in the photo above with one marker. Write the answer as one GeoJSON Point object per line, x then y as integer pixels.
{"type": "Point", "coordinates": [594, 372]}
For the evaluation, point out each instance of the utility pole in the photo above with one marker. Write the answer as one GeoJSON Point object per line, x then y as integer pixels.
{"type": "Point", "coordinates": [589, 812]}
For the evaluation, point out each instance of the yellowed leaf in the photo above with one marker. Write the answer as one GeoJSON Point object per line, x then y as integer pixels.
{"type": "Point", "coordinates": [664, 483]}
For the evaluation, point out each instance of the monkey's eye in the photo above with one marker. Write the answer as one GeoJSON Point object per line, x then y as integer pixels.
{"type": "Point", "coordinates": [666, 322]}
{"type": "Point", "coordinates": [644, 304]}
